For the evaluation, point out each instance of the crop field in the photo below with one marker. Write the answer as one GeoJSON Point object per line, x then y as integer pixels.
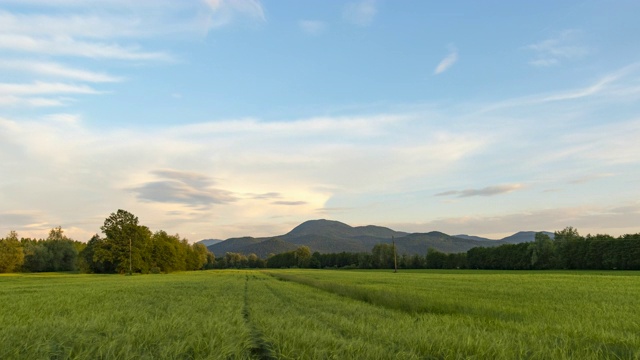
{"type": "Point", "coordinates": [322, 314]}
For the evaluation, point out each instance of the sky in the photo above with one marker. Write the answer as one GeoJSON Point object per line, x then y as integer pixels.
{"type": "Point", "coordinates": [225, 118]}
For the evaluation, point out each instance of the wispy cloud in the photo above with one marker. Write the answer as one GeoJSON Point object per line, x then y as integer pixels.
{"type": "Point", "coordinates": [553, 51]}
{"type": "Point", "coordinates": [447, 62]}
{"type": "Point", "coordinates": [38, 88]}
{"type": "Point", "coordinates": [290, 203]}
{"type": "Point", "coordinates": [486, 191]}
{"type": "Point", "coordinates": [11, 100]}
{"type": "Point", "coordinates": [19, 218]}
{"type": "Point", "coordinates": [360, 13]}
{"type": "Point", "coordinates": [619, 84]}
{"type": "Point", "coordinates": [73, 35]}
{"type": "Point", "coordinates": [84, 25]}
{"type": "Point", "coordinates": [68, 46]}
{"type": "Point", "coordinates": [58, 70]}
{"type": "Point", "coordinates": [588, 178]}
{"type": "Point", "coordinates": [312, 27]}
{"type": "Point", "coordinates": [180, 187]}
{"type": "Point", "coordinates": [223, 12]}
{"type": "Point", "coordinates": [259, 175]}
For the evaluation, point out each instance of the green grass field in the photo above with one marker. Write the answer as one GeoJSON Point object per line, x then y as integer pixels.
{"type": "Point", "coordinates": [322, 314]}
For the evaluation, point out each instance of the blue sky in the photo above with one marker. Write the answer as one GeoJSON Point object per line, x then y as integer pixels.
{"type": "Point", "coordinates": [221, 118]}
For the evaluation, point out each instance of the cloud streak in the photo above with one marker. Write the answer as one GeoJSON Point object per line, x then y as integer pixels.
{"type": "Point", "coordinates": [486, 191]}
{"type": "Point", "coordinates": [446, 63]}
{"type": "Point", "coordinates": [38, 87]}
{"type": "Point", "coordinates": [58, 70]}
{"type": "Point", "coordinates": [555, 50]}
{"type": "Point", "coordinates": [223, 12]}
{"type": "Point", "coordinates": [312, 27]}
{"type": "Point", "coordinates": [361, 13]}
{"type": "Point", "coordinates": [180, 187]}
{"type": "Point", "coordinates": [59, 46]}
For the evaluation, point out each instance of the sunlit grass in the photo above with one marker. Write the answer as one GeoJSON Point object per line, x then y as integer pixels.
{"type": "Point", "coordinates": [497, 314]}
{"type": "Point", "coordinates": [188, 315]}
{"type": "Point", "coordinates": [321, 315]}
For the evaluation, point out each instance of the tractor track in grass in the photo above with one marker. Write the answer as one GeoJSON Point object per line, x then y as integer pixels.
{"type": "Point", "coordinates": [260, 349]}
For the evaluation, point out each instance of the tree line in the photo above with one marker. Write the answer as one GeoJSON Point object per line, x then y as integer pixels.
{"type": "Point", "coordinates": [126, 247]}
{"type": "Point", "coordinates": [567, 250]}
{"type": "Point", "coordinates": [129, 246]}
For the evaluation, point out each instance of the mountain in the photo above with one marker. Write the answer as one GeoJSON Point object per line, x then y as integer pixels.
{"type": "Point", "coordinates": [523, 236]}
{"type": "Point", "coordinates": [519, 237]}
{"type": "Point", "coordinates": [209, 242]}
{"type": "Point", "coordinates": [332, 228]}
{"type": "Point", "coordinates": [271, 246]}
{"type": "Point", "coordinates": [419, 243]}
{"type": "Point", "coordinates": [330, 236]}
{"type": "Point", "coordinates": [232, 245]}
{"type": "Point", "coordinates": [471, 237]}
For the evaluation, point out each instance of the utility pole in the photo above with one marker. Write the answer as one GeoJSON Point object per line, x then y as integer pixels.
{"type": "Point", "coordinates": [130, 271]}
{"type": "Point", "coordinates": [395, 257]}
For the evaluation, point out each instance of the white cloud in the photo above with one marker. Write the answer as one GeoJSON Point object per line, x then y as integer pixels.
{"type": "Point", "coordinates": [38, 87]}
{"type": "Point", "coordinates": [486, 191]}
{"type": "Point", "coordinates": [70, 46]}
{"type": "Point", "coordinates": [10, 100]}
{"type": "Point", "coordinates": [552, 51]}
{"type": "Point", "coordinates": [619, 84]}
{"type": "Point", "coordinates": [447, 62]}
{"type": "Point", "coordinates": [57, 70]}
{"type": "Point", "coordinates": [23, 94]}
{"type": "Point", "coordinates": [223, 12]}
{"type": "Point", "coordinates": [76, 25]}
{"type": "Point", "coordinates": [360, 13]}
{"type": "Point", "coordinates": [250, 157]}
{"type": "Point", "coordinates": [77, 34]}
{"type": "Point", "coordinates": [312, 27]}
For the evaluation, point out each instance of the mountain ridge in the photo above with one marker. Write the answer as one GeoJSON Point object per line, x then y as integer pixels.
{"type": "Point", "coordinates": [331, 236]}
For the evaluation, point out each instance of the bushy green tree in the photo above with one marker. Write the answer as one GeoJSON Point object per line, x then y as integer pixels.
{"type": "Point", "coordinates": [126, 244]}
{"type": "Point", "coordinates": [36, 255]}
{"type": "Point", "coordinates": [62, 252]}
{"type": "Point", "coordinates": [92, 260]}
{"type": "Point", "coordinates": [542, 252]}
{"type": "Point", "coordinates": [235, 260]}
{"type": "Point", "coordinates": [571, 249]}
{"type": "Point", "coordinates": [435, 259]}
{"type": "Point", "coordinates": [167, 252]}
{"type": "Point", "coordinates": [11, 254]}
{"type": "Point", "coordinates": [196, 255]}
{"type": "Point", "coordinates": [303, 256]}
{"type": "Point", "coordinates": [383, 255]}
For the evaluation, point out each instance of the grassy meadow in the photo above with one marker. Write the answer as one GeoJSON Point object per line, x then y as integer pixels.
{"type": "Point", "coordinates": [322, 314]}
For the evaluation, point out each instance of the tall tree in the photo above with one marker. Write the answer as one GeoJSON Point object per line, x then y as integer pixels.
{"type": "Point", "coordinates": [303, 256]}
{"type": "Point", "coordinates": [126, 243]}
{"type": "Point", "coordinates": [542, 252]}
{"type": "Point", "coordinates": [383, 255]}
{"type": "Point", "coordinates": [62, 252]}
{"type": "Point", "coordinates": [11, 254]}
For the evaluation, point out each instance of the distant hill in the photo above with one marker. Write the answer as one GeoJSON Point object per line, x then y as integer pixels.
{"type": "Point", "coordinates": [330, 236]}
{"type": "Point", "coordinates": [519, 237]}
{"type": "Point", "coordinates": [233, 244]}
{"type": "Point", "coordinates": [271, 246]}
{"type": "Point", "coordinates": [524, 236]}
{"type": "Point", "coordinates": [209, 242]}
{"type": "Point", "coordinates": [419, 243]}
{"type": "Point", "coordinates": [471, 237]}
{"type": "Point", "coordinates": [331, 228]}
